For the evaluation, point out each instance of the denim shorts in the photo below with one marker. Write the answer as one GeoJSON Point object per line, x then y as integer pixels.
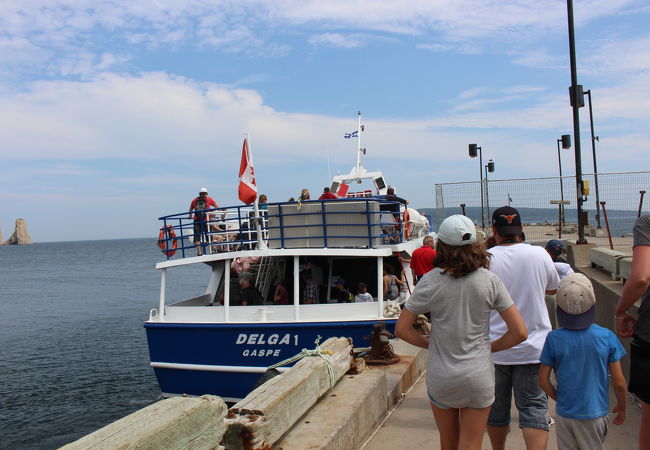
{"type": "Point", "coordinates": [437, 403]}
{"type": "Point", "coordinates": [530, 399]}
{"type": "Point", "coordinates": [442, 405]}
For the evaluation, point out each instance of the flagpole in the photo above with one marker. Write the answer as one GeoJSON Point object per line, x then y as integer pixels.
{"type": "Point", "coordinates": [359, 145]}
{"type": "Point", "coordinates": [260, 239]}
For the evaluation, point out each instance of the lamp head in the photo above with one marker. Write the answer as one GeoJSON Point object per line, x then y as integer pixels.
{"type": "Point", "coordinates": [566, 141]}
{"type": "Point", "coordinates": [490, 166]}
{"type": "Point", "coordinates": [473, 150]}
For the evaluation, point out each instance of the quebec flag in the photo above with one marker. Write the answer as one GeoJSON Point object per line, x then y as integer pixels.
{"type": "Point", "coordinates": [351, 135]}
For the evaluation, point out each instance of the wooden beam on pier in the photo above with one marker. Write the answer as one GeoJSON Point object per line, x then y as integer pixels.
{"type": "Point", "coordinates": [174, 423]}
{"type": "Point", "coordinates": [269, 411]}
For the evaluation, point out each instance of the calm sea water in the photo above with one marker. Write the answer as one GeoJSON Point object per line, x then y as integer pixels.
{"type": "Point", "coordinates": [620, 222]}
{"type": "Point", "coordinates": [73, 351]}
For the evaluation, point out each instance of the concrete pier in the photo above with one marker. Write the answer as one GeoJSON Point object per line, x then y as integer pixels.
{"type": "Point", "coordinates": [411, 425]}
{"type": "Point", "coordinates": [386, 407]}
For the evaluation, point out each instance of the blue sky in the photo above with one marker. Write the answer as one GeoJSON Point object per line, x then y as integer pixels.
{"type": "Point", "coordinates": [113, 113]}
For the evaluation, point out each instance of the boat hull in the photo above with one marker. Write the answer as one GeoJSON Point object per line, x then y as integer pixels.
{"type": "Point", "coordinates": [227, 359]}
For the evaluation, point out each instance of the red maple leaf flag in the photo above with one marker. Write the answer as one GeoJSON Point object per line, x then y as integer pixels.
{"type": "Point", "coordinates": [247, 186]}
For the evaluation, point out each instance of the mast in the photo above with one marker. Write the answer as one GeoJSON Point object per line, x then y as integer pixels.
{"type": "Point", "coordinates": [358, 146]}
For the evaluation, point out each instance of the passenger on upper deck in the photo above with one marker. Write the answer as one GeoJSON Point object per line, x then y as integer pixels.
{"type": "Point", "coordinates": [199, 205]}
{"type": "Point", "coordinates": [390, 196]}
{"type": "Point", "coordinates": [327, 195]}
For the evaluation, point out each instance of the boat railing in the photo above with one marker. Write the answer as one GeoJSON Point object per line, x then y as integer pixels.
{"type": "Point", "coordinates": [340, 223]}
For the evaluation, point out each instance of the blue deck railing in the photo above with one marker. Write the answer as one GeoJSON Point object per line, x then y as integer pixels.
{"type": "Point", "coordinates": [354, 222]}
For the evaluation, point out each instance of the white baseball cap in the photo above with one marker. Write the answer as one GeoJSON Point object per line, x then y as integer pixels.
{"type": "Point", "coordinates": [575, 302]}
{"type": "Point", "coordinates": [457, 230]}
{"type": "Point", "coordinates": [203, 190]}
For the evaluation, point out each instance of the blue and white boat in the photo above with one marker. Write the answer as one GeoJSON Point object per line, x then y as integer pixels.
{"type": "Point", "coordinates": [211, 344]}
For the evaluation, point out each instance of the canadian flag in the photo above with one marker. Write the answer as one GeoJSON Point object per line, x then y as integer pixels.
{"type": "Point", "coordinates": [247, 185]}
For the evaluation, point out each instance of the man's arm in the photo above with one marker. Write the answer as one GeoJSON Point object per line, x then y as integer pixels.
{"type": "Point", "coordinates": [405, 331]}
{"type": "Point", "coordinates": [517, 331]}
{"type": "Point", "coordinates": [192, 204]}
{"type": "Point", "coordinates": [633, 289]}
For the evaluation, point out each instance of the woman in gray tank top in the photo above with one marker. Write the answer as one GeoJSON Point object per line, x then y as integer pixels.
{"type": "Point", "coordinates": [459, 294]}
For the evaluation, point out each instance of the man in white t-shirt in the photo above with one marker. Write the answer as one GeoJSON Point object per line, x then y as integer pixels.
{"type": "Point", "coordinates": [528, 273]}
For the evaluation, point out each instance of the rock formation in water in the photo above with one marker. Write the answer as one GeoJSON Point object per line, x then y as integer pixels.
{"type": "Point", "coordinates": [20, 235]}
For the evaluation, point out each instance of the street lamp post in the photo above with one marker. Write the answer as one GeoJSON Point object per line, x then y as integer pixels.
{"type": "Point", "coordinates": [577, 101]}
{"type": "Point", "coordinates": [489, 167]}
{"type": "Point", "coordinates": [473, 148]}
{"type": "Point", "coordinates": [566, 143]}
{"type": "Point", "coordinates": [594, 138]}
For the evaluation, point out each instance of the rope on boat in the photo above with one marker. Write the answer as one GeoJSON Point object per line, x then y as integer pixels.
{"type": "Point", "coordinates": [323, 354]}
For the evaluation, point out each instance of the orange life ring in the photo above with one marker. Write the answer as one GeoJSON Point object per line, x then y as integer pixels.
{"type": "Point", "coordinates": [167, 233]}
{"type": "Point", "coordinates": [406, 220]}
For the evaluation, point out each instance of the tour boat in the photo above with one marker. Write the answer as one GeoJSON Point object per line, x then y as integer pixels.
{"type": "Point", "coordinates": [211, 344]}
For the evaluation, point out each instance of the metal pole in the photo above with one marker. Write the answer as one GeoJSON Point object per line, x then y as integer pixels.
{"type": "Point", "coordinates": [640, 204]}
{"type": "Point", "coordinates": [226, 290]}
{"type": "Point", "coordinates": [163, 287]}
{"type": "Point", "coordinates": [380, 287]}
{"type": "Point", "coordinates": [296, 288]}
{"type": "Point", "coordinates": [559, 161]}
{"type": "Point", "coordinates": [462, 208]}
{"type": "Point", "coordinates": [576, 122]}
{"type": "Point", "coordinates": [609, 234]}
{"type": "Point", "coordinates": [480, 169]}
{"type": "Point", "coordinates": [593, 150]}
{"type": "Point", "coordinates": [487, 192]}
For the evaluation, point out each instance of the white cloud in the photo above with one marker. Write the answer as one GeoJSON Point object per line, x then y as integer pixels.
{"type": "Point", "coordinates": [620, 57]}
{"type": "Point", "coordinates": [336, 40]}
{"type": "Point", "coordinates": [252, 25]}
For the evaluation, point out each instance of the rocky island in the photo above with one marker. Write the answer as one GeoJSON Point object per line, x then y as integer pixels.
{"type": "Point", "coordinates": [20, 235]}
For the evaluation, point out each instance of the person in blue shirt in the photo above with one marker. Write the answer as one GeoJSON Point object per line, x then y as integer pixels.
{"type": "Point", "coordinates": [581, 353]}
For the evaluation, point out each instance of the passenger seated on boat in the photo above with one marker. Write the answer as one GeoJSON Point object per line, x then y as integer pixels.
{"type": "Point", "coordinates": [249, 294]}
{"type": "Point", "coordinates": [341, 294]}
{"type": "Point", "coordinates": [310, 291]}
{"type": "Point", "coordinates": [235, 299]}
{"type": "Point", "coordinates": [362, 295]}
{"type": "Point", "coordinates": [281, 296]}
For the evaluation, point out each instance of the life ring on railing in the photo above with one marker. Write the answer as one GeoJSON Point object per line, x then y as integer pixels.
{"type": "Point", "coordinates": [406, 220]}
{"type": "Point", "coordinates": [167, 233]}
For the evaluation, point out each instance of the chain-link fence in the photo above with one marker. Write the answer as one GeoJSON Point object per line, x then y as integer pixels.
{"type": "Point", "coordinates": [538, 201]}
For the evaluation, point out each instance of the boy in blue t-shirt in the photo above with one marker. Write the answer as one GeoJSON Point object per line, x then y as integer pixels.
{"type": "Point", "coordinates": [581, 352]}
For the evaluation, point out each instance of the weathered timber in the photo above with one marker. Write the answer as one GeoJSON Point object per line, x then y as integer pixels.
{"type": "Point", "coordinates": [174, 423]}
{"type": "Point", "coordinates": [261, 418]}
